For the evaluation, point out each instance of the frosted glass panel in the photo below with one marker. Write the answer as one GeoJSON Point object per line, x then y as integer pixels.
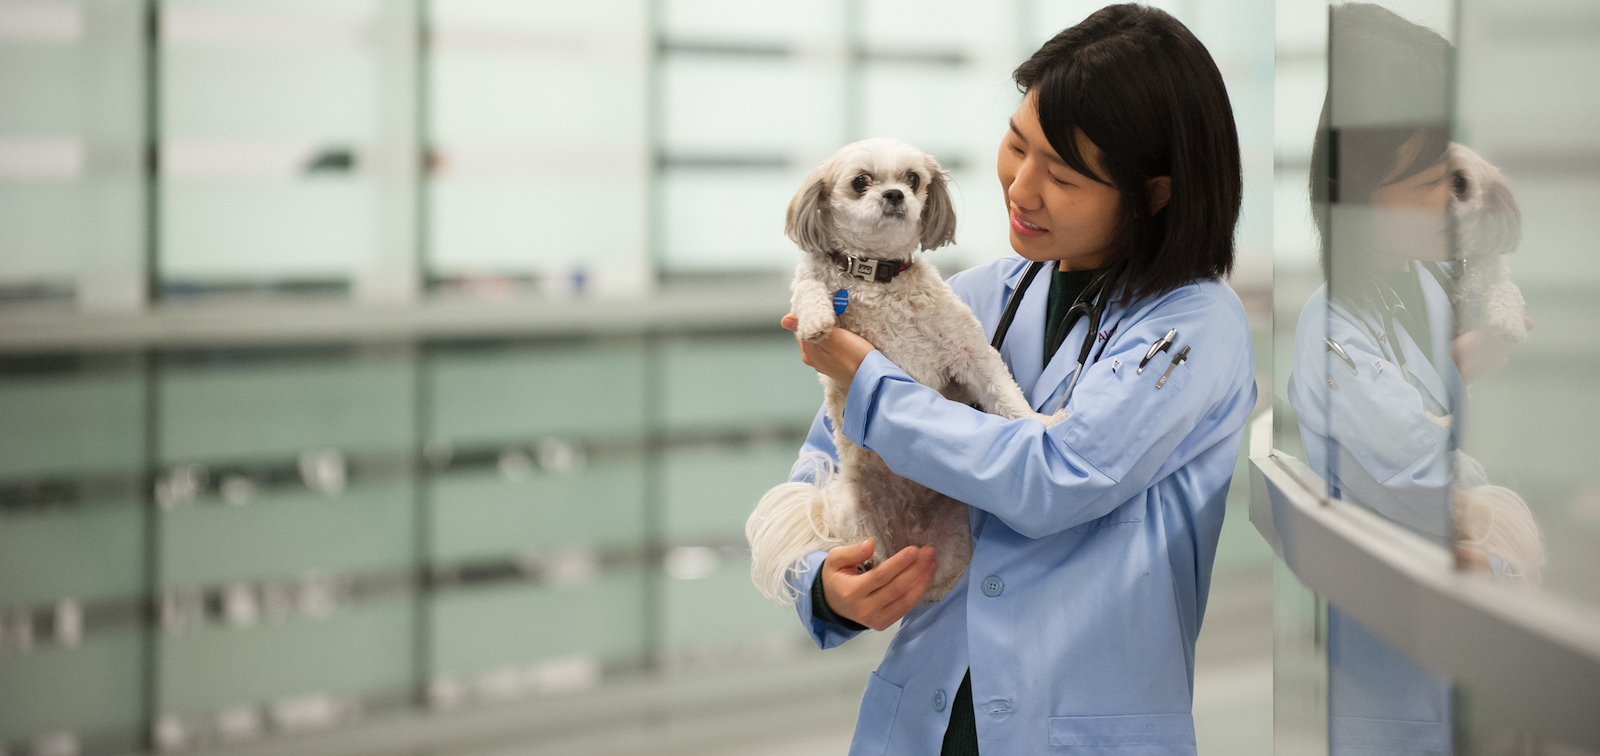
{"type": "Point", "coordinates": [763, 21]}
{"type": "Point", "coordinates": [921, 26]}
{"type": "Point", "coordinates": [912, 102]}
{"type": "Point", "coordinates": [273, 120]}
{"type": "Point", "coordinates": [728, 220]}
{"type": "Point", "coordinates": [723, 105]}
{"type": "Point", "coordinates": [538, 126]}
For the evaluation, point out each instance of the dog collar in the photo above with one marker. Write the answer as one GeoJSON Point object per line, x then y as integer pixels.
{"type": "Point", "coordinates": [868, 268]}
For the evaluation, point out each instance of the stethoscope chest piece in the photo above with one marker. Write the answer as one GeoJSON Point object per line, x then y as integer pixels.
{"type": "Point", "coordinates": [1091, 302]}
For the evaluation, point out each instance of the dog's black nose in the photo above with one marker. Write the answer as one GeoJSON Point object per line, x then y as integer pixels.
{"type": "Point", "coordinates": [894, 196]}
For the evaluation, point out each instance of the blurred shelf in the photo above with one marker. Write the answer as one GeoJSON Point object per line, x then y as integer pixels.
{"type": "Point", "coordinates": [728, 305]}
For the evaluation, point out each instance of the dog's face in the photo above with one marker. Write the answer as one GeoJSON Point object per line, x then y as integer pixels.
{"type": "Point", "coordinates": [1485, 215]}
{"type": "Point", "coordinates": [881, 196]}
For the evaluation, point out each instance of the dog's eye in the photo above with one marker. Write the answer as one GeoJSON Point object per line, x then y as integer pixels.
{"type": "Point", "coordinates": [860, 184]}
{"type": "Point", "coordinates": [913, 180]}
{"type": "Point", "coordinates": [1459, 184]}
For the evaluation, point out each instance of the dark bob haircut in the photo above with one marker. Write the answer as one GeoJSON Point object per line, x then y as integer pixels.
{"type": "Point", "coordinates": [1396, 76]}
{"type": "Point", "coordinates": [1139, 85]}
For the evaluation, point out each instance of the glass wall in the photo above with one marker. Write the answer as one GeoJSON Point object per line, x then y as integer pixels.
{"type": "Point", "coordinates": [1430, 295]}
{"type": "Point", "coordinates": [219, 524]}
{"type": "Point", "coordinates": [380, 149]}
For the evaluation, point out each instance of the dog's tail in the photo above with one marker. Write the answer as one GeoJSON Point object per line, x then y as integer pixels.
{"type": "Point", "coordinates": [1495, 520]}
{"type": "Point", "coordinates": [788, 524]}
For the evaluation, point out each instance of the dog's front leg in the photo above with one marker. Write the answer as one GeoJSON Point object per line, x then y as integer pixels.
{"type": "Point", "coordinates": [813, 306]}
{"type": "Point", "coordinates": [985, 375]}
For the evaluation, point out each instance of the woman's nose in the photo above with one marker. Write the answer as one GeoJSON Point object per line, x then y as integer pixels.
{"type": "Point", "coordinates": [1024, 189]}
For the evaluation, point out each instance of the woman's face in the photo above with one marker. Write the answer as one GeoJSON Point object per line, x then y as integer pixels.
{"type": "Point", "coordinates": [1410, 220]}
{"type": "Point", "coordinates": [1056, 212]}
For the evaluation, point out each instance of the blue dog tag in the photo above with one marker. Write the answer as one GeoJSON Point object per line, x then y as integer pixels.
{"type": "Point", "coordinates": [841, 300]}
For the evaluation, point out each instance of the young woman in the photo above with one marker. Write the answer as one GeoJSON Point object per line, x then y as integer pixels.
{"type": "Point", "coordinates": [1075, 624]}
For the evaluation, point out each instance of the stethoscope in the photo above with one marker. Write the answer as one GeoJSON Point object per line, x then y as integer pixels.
{"type": "Point", "coordinates": [1387, 303]}
{"type": "Point", "coordinates": [1091, 302]}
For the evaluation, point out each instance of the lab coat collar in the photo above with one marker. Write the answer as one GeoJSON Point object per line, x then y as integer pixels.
{"type": "Point", "coordinates": [1441, 389]}
{"type": "Point", "coordinates": [1059, 369]}
{"type": "Point", "coordinates": [1021, 350]}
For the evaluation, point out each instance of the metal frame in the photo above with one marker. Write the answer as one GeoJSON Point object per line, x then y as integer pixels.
{"type": "Point", "coordinates": [1534, 654]}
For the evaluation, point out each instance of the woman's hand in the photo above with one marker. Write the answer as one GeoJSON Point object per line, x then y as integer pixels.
{"type": "Point", "coordinates": [837, 354]}
{"type": "Point", "coordinates": [882, 595]}
{"type": "Point", "coordinates": [1477, 353]}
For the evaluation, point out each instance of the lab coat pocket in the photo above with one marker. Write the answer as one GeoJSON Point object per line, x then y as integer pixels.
{"type": "Point", "coordinates": [1114, 429]}
{"type": "Point", "coordinates": [878, 708]}
{"type": "Point", "coordinates": [1123, 735]}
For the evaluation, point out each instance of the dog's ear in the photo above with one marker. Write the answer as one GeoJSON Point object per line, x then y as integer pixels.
{"type": "Point", "coordinates": [938, 212]}
{"type": "Point", "coordinates": [809, 221]}
{"type": "Point", "coordinates": [1501, 227]}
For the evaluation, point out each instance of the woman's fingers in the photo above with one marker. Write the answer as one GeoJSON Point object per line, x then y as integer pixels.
{"type": "Point", "coordinates": [907, 578]}
{"type": "Point", "coordinates": [882, 595]}
{"type": "Point", "coordinates": [790, 322]}
{"type": "Point", "coordinates": [891, 602]}
{"type": "Point", "coordinates": [897, 609]}
{"type": "Point", "coordinates": [881, 575]}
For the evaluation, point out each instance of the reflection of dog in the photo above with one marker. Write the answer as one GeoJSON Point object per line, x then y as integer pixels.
{"type": "Point", "coordinates": [1488, 224]}
{"type": "Point", "coordinates": [1496, 521]}
{"type": "Point", "coordinates": [859, 219]}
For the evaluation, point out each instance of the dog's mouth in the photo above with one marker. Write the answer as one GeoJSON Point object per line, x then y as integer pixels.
{"type": "Point", "coordinates": [897, 212]}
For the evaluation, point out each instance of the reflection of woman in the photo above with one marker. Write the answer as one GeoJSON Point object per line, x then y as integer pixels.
{"type": "Point", "coordinates": [1075, 623]}
{"type": "Point", "coordinates": [1379, 374]}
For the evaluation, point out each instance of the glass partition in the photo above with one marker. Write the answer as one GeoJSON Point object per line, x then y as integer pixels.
{"type": "Point", "coordinates": [1439, 224]}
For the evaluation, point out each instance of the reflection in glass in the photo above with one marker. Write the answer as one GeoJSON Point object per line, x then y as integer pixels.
{"type": "Point", "coordinates": [1416, 306]}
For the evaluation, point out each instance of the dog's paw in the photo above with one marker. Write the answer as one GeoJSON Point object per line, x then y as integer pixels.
{"type": "Point", "coordinates": [1050, 420]}
{"type": "Point", "coordinates": [813, 329]}
{"type": "Point", "coordinates": [1510, 327]}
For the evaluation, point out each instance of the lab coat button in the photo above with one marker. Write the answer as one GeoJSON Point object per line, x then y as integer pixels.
{"type": "Point", "coordinates": [938, 700]}
{"type": "Point", "coordinates": [993, 586]}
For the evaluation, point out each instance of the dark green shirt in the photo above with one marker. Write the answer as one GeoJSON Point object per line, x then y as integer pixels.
{"type": "Point", "coordinates": [1065, 287]}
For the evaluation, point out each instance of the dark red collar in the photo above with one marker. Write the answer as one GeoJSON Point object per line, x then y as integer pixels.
{"type": "Point", "coordinates": [868, 268]}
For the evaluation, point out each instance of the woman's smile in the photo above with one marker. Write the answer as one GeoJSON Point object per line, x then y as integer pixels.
{"type": "Point", "coordinates": [1024, 228]}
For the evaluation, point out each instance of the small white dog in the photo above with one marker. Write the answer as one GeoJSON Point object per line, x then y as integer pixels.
{"type": "Point", "coordinates": [1488, 224]}
{"type": "Point", "coordinates": [859, 219]}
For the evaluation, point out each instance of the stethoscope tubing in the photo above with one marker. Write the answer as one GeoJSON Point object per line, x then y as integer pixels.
{"type": "Point", "coordinates": [1094, 308]}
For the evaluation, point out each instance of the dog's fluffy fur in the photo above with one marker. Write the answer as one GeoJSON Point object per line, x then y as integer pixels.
{"type": "Point", "coordinates": [1488, 224]}
{"type": "Point", "coordinates": [918, 323]}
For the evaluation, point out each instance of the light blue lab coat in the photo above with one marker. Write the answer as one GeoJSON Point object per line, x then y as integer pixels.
{"type": "Point", "coordinates": [1093, 540]}
{"type": "Point", "coordinates": [1384, 439]}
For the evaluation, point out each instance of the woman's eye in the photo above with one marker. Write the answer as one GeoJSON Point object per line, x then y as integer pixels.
{"type": "Point", "coordinates": [860, 184]}
{"type": "Point", "coordinates": [913, 180]}
{"type": "Point", "coordinates": [1015, 148]}
{"type": "Point", "coordinates": [1059, 182]}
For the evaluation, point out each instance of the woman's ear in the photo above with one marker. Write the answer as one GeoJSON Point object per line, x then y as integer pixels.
{"type": "Point", "coordinates": [938, 212]}
{"type": "Point", "coordinates": [809, 221]}
{"type": "Point", "coordinates": [1160, 189]}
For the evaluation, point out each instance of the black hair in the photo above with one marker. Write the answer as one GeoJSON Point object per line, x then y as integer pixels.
{"type": "Point", "coordinates": [1145, 92]}
{"type": "Point", "coordinates": [1389, 86]}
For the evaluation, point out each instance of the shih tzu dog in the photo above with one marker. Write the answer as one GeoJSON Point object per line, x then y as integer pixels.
{"type": "Point", "coordinates": [1488, 224]}
{"type": "Point", "coordinates": [859, 220]}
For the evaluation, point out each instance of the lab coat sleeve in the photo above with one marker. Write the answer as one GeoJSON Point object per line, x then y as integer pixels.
{"type": "Point", "coordinates": [825, 634]}
{"type": "Point", "coordinates": [1120, 439]}
{"type": "Point", "coordinates": [819, 440]}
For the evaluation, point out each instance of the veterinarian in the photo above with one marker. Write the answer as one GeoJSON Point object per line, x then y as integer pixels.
{"type": "Point", "coordinates": [1074, 626]}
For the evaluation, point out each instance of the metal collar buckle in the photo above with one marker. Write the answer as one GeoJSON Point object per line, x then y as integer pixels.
{"type": "Point", "coordinates": [870, 269]}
